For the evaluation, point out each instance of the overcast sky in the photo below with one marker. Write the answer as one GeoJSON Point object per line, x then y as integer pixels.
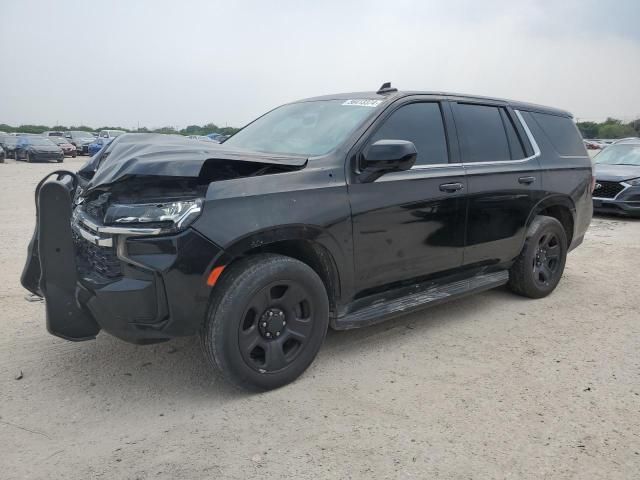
{"type": "Point", "coordinates": [157, 63]}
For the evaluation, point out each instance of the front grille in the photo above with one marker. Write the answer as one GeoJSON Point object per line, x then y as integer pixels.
{"type": "Point", "coordinates": [94, 261]}
{"type": "Point", "coordinates": [607, 189]}
{"type": "Point", "coordinates": [85, 149]}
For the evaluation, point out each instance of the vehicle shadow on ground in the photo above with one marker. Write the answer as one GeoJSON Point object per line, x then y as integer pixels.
{"type": "Point", "coordinates": [110, 368]}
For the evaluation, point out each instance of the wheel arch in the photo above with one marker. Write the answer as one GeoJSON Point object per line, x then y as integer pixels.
{"type": "Point", "coordinates": [560, 207]}
{"type": "Point", "coordinates": [308, 244]}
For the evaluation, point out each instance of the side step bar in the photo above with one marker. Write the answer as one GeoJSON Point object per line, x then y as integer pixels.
{"type": "Point", "coordinates": [382, 310]}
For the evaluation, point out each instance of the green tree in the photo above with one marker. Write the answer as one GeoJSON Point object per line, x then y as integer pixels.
{"type": "Point", "coordinates": [588, 129]}
{"type": "Point", "coordinates": [615, 130]}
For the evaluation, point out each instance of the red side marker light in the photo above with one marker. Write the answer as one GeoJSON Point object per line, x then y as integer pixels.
{"type": "Point", "coordinates": [214, 275]}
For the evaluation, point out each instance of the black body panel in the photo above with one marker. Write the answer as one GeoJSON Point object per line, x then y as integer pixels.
{"type": "Point", "coordinates": [405, 240]}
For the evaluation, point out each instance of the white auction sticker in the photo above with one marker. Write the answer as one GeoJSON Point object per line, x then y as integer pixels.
{"type": "Point", "coordinates": [363, 102]}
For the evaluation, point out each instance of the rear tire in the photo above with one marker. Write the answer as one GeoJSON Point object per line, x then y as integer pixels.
{"type": "Point", "coordinates": [537, 271]}
{"type": "Point", "coordinates": [268, 317]}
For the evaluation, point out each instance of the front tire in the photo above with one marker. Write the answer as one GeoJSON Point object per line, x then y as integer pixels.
{"type": "Point", "coordinates": [537, 271]}
{"type": "Point", "coordinates": [267, 320]}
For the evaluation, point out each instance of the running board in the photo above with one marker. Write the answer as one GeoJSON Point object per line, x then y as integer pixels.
{"type": "Point", "coordinates": [382, 310]}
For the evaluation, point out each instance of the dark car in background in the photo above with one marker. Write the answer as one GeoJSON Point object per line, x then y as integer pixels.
{"type": "Point", "coordinates": [53, 133]}
{"type": "Point", "coordinates": [2, 155]}
{"type": "Point", "coordinates": [68, 148]}
{"type": "Point", "coordinates": [617, 172]}
{"type": "Point", "coordinates": [338, 211]}
{"type": "Point", "coordinates": [202, 138]}
{"type": "Point", "coordinates": [81, 140]}
{"type": "Point", "coordinates": [8, 143]}
{"type": "Point", "coordinates": [96, 145]}
{"type": "Point", "coordinates": [36, 148]}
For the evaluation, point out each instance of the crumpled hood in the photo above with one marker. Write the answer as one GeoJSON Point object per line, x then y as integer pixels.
{"type": "Point", "coordinates": [616, 173]}
{"type": "Point", "coordinates": [160, 155]}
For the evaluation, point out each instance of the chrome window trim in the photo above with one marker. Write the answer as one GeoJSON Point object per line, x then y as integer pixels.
{"type": "Point", "coordinates": [530, 137]}
{"type": "Point", "coordinates": [532, 141]}
{"type": "Point", "coordinates": [427, 166]}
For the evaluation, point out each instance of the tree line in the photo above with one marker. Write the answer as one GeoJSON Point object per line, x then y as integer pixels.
{"type": "Point", "coordinates": [190, 130]}
{"type": "Point", "coordinates": [610, 128]}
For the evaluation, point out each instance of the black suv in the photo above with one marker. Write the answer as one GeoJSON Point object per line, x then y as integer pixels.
{"type": "Point", "coordinates": [337, 211]}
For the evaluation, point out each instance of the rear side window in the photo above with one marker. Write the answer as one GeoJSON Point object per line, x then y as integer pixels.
{"type": "Point", "coordinates": [420, 123]}
{"type": "Point", "coordinates": [486, 134]}
{"type": "Point", "coordinates": [562, 133]}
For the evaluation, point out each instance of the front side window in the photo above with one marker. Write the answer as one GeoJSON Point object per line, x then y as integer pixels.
{"type": "Point", "coordinates": [420, 123]}
{"type": "Point", "coordinates": [483, 134]}
{"type": "Point", "coordinates": [305, 128]}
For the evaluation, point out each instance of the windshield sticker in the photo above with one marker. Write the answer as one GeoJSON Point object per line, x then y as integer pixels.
{"type": "Point", "coordinates": [363, 102]}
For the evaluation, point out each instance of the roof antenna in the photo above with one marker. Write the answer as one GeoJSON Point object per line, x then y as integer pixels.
{"type": "Point", "coordinates": [386, 88]}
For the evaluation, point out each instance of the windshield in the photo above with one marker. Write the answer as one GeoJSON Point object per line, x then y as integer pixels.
{"type": "Point", "coordinates": [306, 128]}
{"type": "Point", "coordinates": [58, 140]}
{"type": "Point", "coordinates": [619, 155]}
{"type": "Point", "coordinates": [42, 141]}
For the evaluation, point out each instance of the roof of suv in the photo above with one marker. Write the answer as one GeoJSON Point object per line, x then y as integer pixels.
{"type": "Point", "coordinates": [389, 96]}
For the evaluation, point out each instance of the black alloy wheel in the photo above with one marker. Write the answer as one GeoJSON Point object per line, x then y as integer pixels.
{"type": "Point", "coordinates": [547, 259]}
{"type": "Point", "coordinates": [267, 320]}
{"type": "Point", "coordinates": [538, 269]}
{"type": "Point", "coordinates": [276, 326]}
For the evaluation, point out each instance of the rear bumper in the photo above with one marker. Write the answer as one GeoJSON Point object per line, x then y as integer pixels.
{"type": "Point", "coordinates": [140, 289]}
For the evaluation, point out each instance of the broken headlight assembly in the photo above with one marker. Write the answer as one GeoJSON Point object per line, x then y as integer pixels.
{"type": "Point", "coordinates": [169, 216]}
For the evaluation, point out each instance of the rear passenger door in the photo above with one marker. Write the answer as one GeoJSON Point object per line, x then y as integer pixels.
{"type": "Point", "coordinates": [503, 176]}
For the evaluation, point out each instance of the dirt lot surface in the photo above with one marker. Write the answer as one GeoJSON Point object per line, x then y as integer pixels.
{"type": "Point", "coordinates": [491, 386]}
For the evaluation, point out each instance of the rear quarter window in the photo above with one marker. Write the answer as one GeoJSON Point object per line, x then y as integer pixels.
{"type": "Point", "coordinates": [562, 133]}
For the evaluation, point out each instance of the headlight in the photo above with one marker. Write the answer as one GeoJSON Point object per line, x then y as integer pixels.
{"type": "Point", "coordinates": [170, 216]}
{"type": "Point", "coordinates": [634, 182]}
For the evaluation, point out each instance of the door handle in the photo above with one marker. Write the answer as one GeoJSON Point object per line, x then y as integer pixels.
{"type": "Point", "coordinates": [451, 187]}
{"type": "Point", "coordinates": [527, 180]}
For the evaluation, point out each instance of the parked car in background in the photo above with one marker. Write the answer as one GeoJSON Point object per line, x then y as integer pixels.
{"type": "Point", "coordinates": [110, 133]}
{"type": "Point", "coordinates": [36, 148]}
{"type": "Point", "coordinates": [202, 138]}
{"type": "Point", "coordinates": [68, 148]}
{"type": "Point", "coordinates": [617, 172]}
{"type": "Point", "coordinates": [215, 137]}
{"type": "Point", "coordinates": [592, 145]}
{"type": "Point", "coordinates": [53, 133]}
{"type": "Point", "coordinates": [8, 143]}
{"type": "Point", "coordinates": [81, 140]}
{"type": "Point", "coordinates": [95, 146]}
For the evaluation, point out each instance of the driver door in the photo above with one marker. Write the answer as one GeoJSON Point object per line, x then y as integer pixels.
{"type": "Point", "coordinates": [410, 224]}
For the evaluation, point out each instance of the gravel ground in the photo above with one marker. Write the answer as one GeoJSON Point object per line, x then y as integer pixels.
{"type": "Point", "coordinates": [491, 386]}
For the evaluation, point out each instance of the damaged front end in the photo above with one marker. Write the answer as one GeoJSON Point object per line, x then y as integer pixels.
{"type": "Point", "coordinates": [112, 248]}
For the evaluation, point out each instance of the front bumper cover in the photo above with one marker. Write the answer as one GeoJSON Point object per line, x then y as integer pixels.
{"type": "Point", "coordinates": [627, 202]}
{"type": "Point", "coordinates": [142, 289]}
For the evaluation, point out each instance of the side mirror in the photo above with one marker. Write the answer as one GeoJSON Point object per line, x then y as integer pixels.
{"type": "Point", "coordinates": [387, 156]}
